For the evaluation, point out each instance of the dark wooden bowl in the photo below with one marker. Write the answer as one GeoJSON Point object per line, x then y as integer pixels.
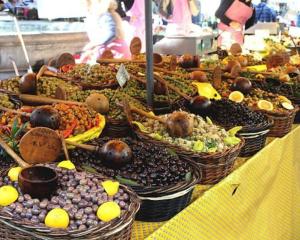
{"type": "Point", "coordinates": [38, 181]}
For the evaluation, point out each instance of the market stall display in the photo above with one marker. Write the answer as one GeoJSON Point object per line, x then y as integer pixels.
{"type": "Point", "coordinates": [161, 153]}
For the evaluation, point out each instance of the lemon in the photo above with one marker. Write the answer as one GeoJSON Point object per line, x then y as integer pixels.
{"type": "Point", "coordinates": [8, 195]}
{"type": "Point", "coordinates": [108, 211]}
{"type": "Point", "coordinates": [13, 173]}
{"type": "Point", "coordinates": [284, 99]}
{"type": "Point", "coordinates": [57, 218]}
{"type": "Point", "coordinates": [236, 96]}
{"type": "Point", "coordinates": [110, 187]}
{"type": "Point", "coordinates": [265, 105]}
{"type": "Point", "coordinates": [66, 164]}
{"type": "Point", "coordinates": [198, 146]}
{"type": "Point", "coordinates": [287, 105]}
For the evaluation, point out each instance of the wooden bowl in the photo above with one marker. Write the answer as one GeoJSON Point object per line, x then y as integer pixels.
{"type": "Point", "coordinates": [38, 181]}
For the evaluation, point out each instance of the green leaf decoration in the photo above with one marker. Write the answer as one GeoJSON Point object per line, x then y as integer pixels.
{"type": "Point", "coordinates": [198, 146]}
{"type": "Point", "coordinates": [171, 152]}
{"type": "Point", "coordinates": [233, 131]}
{"type": "Point", "coordinates": [89, 169]}
{"type": "Point", "coordinates": [126, 181]}
{"type": "Point", "coordinates": [21, 129]}
{"type": "Point", "coordinates": [14, 127]}
{"type": "Point", "coordinates": [231, 141]}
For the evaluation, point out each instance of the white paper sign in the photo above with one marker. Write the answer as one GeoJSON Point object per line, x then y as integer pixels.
{"type": "Point", "coordinates": [122, 75]}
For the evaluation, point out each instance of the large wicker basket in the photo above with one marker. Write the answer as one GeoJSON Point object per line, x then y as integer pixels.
{"type": "Point", "coordinates": [213, 166]}
{"type": "Point", "coordinates": [282, 122]}
{"type": "Point", "coordinates": [162, 203]}
{"type": "Point", "coordinates": [13, 229]}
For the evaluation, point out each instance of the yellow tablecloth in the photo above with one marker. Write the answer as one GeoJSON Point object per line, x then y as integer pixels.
{"type": "Point", "coordinates": [259, 201]}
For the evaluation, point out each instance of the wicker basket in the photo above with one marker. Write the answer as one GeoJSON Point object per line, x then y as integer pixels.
{"type": "Point", "coordinates": [162, 203]}
{"type": "Point", "coordinates": [282, 123]}
{"type": "Point", "coordinates": [213, 166]}
{"type": "Point", "coordinates": [116, 128]}
{"type": "Point", "coordinates": [13, 229]}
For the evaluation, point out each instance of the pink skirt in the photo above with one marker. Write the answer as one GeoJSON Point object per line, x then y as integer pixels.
{"type": "Point", "coordinates": [118, 47]}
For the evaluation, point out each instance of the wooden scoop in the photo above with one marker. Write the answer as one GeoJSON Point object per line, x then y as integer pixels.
{"type": "Point", "coordinates": [40, 145]}
{"type": "Point", "coordinates": [195, 103]}
{"type": "Point", "coordinates": [178, 124]}
{"type": "Point", "coordinates": [44, 71]}
{"type": "Point", "coordinates": [156, 58]}
{"type": "Point", "coordinates": [159, 88]}
{"type": "Point", "coordinates": [135, 46]}
{"type": "Point", "coordinates": [12, 154]}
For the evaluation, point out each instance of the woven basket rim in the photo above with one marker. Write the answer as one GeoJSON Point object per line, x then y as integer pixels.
{"type": "Point", "coordinates": [108, 229]}
{"type": "Point", "coordinates": [285, 114]}
{"type": "Point", "coordinates": [252, 128]}
{"type": "Point", "coordinates": [189, 152]}
{"type": "Point", "coordinates": [174, 188]}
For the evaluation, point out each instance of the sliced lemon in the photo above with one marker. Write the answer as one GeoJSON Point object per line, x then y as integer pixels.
{"type": "Point", "coordinates": [57, 218]}
{"type": "Point", "coordinates": [13, 173]}
{"type": "Point", "coordinates": [110, 187]}
{"type": "Point", "coordinates": [198, 146]}
{"type": "Point", "coordinates": [283, 99]}
{"type": "Point", "coordinates": [236, 96]}
{"type": "Point", "coordinates": [66, 164]}
{"type": "Point", "coordinates": [8, 195]}
{"type": "Point", "coordinates": [287, 105]}
{"type": "Point", "coordinates": [108, 211]}
{"type": "Point", "coordinates": [265, 105]}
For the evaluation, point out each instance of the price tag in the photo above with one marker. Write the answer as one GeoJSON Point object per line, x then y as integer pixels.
{"type": "Point", "coordinates": [122, 75]}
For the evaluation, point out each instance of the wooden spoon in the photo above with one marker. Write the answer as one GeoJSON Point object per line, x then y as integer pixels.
{"type": "Point", "coordinates": [40, 145]}
{"type": "Point", "coordinates": [44, 71]}
{"type": "Point", "coordinates": [157, 58]}
{"type": "Point", "coordinates": [13, 155]}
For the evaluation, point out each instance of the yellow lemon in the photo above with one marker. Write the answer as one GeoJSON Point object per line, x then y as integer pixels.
{"type": "Point", "coordinates": [8, 195]}
{"type": "Point", "coordinates": [110, 187]}
{"type": "Point", "coordinates": [57, 218]}
{"type": "Point", "coordinates": [108, 211]}
{"type": "Point", "coordinates": [265, 105]}
{"type": "Point", "coordinates": [13, 173]}
{"type": "Point", "coordinates": [198, 146]}
{"type": "Point", "coordinates": [287, 105]}
{"type": "Point", "coordinates": [66, 164]}
{"type": "Point", "coordinates": [236, 96]}
{"type": "Point", "coordinates": [283, 99]}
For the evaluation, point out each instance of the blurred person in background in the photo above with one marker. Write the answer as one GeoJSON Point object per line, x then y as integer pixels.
{"type": "Point", "coordinates": [234, 15]}
{"type": "Point", "coordinates": [197, 18]}
{"type": "Point", "coordinates": [178, 14]}
{"type": "Point", "coordinates": [137, 21]}
{"type": "Point", "coordinates": [105, 31]}
{"type": "Point", "coordinates": [264, 13]}
{"type": "Point", "coordinates": [11, 5]}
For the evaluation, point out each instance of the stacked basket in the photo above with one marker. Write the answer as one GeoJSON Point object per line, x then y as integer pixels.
{"type": "Point", "coordinates": [120, 228]}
